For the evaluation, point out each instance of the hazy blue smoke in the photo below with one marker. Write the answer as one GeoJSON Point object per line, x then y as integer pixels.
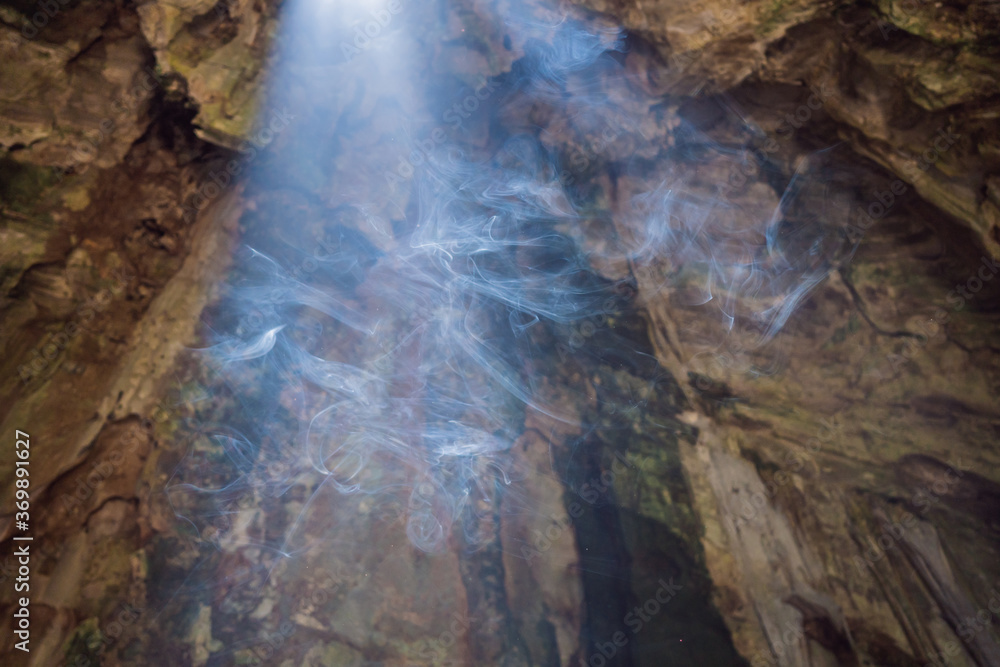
{"type": "Point", "coordinates": [435, 315]}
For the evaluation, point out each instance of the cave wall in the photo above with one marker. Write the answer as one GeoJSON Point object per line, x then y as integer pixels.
{"type": "Point", "coordinates": [832, 492]}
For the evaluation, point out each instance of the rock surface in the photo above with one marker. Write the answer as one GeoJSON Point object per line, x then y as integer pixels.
{"type": "Point", "coordinates": [808, 451]}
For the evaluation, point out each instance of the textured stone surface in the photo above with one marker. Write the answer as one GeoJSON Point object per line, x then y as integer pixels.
{"type": "Point", "coordinates": [827, 497]}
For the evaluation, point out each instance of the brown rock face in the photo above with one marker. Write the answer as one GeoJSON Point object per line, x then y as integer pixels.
{"type": "Point", "coordinates": [710, 304]}
{"type": "Point", "coordinates": [911, 86]}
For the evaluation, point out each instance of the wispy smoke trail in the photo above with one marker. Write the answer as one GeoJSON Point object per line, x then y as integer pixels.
{"type": "Point", "coordinates": [409, 349]}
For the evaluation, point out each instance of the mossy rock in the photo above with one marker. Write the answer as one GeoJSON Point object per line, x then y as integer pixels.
{"type": "Point", "coordinates": [84, 645]}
